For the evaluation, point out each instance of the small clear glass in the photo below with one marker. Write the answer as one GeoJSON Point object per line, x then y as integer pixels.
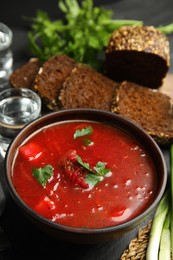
{"type": "Point", "coordinates": [18, 107]}
{"type": "Point", "coordinates": [6, 55]}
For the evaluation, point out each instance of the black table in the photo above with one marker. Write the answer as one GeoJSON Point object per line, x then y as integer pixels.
{"type": "Point", "coordinates": [27, 242]}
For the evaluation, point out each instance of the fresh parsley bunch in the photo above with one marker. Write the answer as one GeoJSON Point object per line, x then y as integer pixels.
{"type": "Point", "coordinates": [82, 34]}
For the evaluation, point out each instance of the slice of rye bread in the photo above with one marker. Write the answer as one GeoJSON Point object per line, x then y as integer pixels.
{"type": "Point", "coordinates": [149, 108]}
{"type": "Point", "coordinates": [87, 88]}
{"type": "Point", "coordinates": [139, 54]}
{"type": "Point", "coordinates": [50, 78]}
{"type": "Point", "coordinates": [24, 76]}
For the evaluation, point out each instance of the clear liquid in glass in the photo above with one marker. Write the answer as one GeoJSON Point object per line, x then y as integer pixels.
{"type": "Point", "coordinates": [18, 107]}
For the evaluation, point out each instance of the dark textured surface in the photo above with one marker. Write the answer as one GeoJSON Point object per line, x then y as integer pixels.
{"type": "Point", "coordinates": [27, 241]}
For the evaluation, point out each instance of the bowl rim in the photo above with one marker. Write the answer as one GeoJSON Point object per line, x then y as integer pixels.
{"type": "Point", "coordinates": [95, 112]}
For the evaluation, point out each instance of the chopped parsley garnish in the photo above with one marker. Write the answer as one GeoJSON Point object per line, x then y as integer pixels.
{"type": "Point", "coordinates": [88, 142]}
{"type": "Point", "coordinates": [93, 177]}
{"type": "Point", "coordinates": [85, 165]}
{"type": "Point", "coordinates": [84, 131]}
{"type": "Point", "coordinates": [43, 174]}
{"type": "Point", "coordinates": [100, 168]}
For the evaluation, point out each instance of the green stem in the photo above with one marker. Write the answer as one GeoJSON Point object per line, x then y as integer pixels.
{"type": "Point", "coordinates": [165, 242]}
{"type": "Point", "coordinates": [167, 29]}
{"type": "Point", "coordinates": [157, 226]}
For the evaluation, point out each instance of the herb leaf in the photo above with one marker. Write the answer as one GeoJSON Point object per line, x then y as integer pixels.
{"type": "Point", "coordinates": [85, 165]}
{"type": "Point", "coordinates": [101, 169]}
{"type": "Point", "coordinates": [85, 131]}
{"type": "Point", "coordinates": [87, 142]}
{"type": "Point", "coordinates": [43, 174]}
{"type": "Point", "coordinates": [93, 177]}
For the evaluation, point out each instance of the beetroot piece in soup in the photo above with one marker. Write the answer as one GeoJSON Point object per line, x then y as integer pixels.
{"type": "Point", "coordinates": [84, 174]}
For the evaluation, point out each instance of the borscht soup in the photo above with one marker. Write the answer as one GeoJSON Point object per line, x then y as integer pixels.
{"type": "Point", "coordinates": [84, 174]}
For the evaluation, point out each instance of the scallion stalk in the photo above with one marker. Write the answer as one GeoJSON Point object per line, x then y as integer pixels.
{"type": "Point", "coordinates": [156, 228]}
{"type": "Point", "coordinates": [165, 242]}
{"type": "Point", "coordinates": [167, 29]}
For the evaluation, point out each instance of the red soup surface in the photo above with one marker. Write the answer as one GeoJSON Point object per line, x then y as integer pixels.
{"type": "Point", "coordinates": [84, 174]}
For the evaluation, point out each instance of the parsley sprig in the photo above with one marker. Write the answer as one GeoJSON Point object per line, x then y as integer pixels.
{"type": "Point", "coordinates": [84, 131]}
{"type": "Point", "coordinates": [100, 168]}
{"type": "Point", "coordinates": [93, 177]}
{"type": "Point", "coordinates": [96, 175]}
{"type": "Point", "coordinates": [43, 174]}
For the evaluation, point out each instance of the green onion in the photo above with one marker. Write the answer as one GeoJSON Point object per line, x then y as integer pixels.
{"type": "Point", "coordinates": [160, 245]}
{"type": "Point", "coordinates": [157, 227]}
{"type": "Point", "coordinates": [167, 29]}
{"type": "Point", "coordinates": [165, 242]}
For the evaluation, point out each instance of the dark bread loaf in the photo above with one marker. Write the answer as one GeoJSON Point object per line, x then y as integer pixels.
{"type": "Point", "coordinates": [87, 88]}
{"type": "Point", "coordinates": [139, 54]}
{"type": "Point", "coordinates": [24, 76]}
{"type": "Point", "coordinates": [149, 108]}
{"type": "Point", "coordinates": [50, 78]}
